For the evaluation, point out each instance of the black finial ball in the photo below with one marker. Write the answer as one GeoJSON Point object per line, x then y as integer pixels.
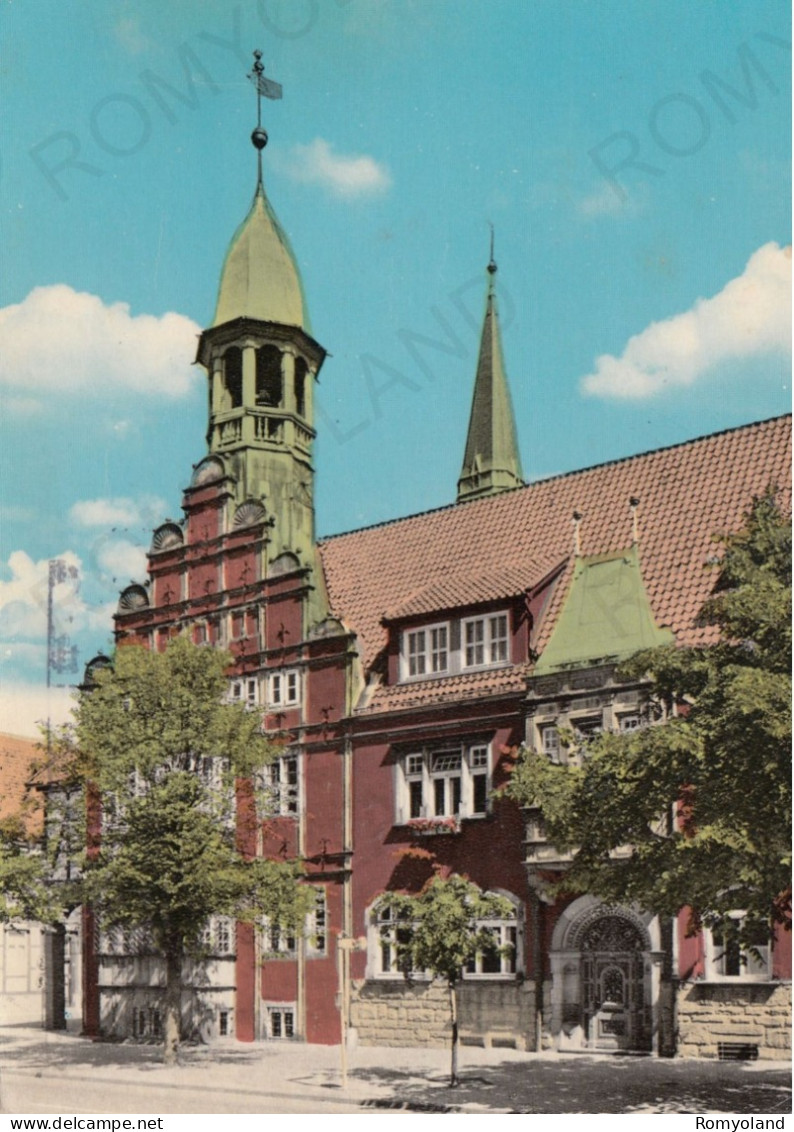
{"type": "Point", "coordinates": [259, 138]}
{"type": "Point", "coordinates": [492, 268]}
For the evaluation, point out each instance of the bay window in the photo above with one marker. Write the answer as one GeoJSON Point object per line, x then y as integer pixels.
{"type": "Point", "coordinates": [452, 781]}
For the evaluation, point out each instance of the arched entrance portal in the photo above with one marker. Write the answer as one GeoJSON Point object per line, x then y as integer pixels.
{"type": "Point", "coordinates": [606, 967]}
{"type": "Point", "coordinates": [612, 979]}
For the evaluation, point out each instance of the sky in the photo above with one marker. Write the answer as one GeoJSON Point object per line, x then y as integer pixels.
{"type": "Point", "coordinates": [633, 158]}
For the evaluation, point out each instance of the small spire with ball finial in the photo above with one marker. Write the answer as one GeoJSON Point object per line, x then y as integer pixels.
{"type": "Point", "coordinates": [266, 88]}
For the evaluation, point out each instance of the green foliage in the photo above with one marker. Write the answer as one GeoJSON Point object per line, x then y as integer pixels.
{"type": "Point", "coordinates": [439, 930]}
{"type": "Point", "coordinates": [169, 864]}
{"type": "Point", "coordinates": [167, 768]}
{"type": "Point", "coordinates": [25, 893]}
{"type": "Point", "coordinates": [151, 711]}
{"type": "Point", "coordinates": [704, 799]}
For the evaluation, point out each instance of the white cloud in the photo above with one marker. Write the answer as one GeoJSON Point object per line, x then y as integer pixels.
{"type": "Point", "coordinates": [24, 706]}
{"type": "Point", "coordinates": [67, 341]}
{"type": "Point", "coordinates": [23, 599]}
{"type": "Point", "coordinates": [353, 176]}
{"type": "Point", "coordinates": [117, 512]}
{"type": "Point", "coordinates": [750, 316]}
{"type": "Point", "coordinates": [123, 560]}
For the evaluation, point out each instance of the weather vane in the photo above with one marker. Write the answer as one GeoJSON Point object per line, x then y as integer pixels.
{"type": "Point", "coordinates": [265, 88]}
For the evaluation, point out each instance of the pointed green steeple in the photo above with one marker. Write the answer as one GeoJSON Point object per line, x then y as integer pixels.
{"type": "Point", "coordinates": [491, 462]}
{"type": "Point", "coordinates": [606, 615]}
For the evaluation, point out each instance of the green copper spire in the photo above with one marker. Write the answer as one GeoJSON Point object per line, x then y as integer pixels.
{"type": "Point", "coordinates": [491, 463]}
{"type": "Point", "coordinates": [260, 278]}
{"type": "Point", "coordinates": [605, 617]}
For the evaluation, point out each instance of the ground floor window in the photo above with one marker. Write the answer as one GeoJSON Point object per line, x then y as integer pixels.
{"type": "Point", "coordinates": [280, 1020]}
{"type": "Point", "coordinates": [727, 958]}
{"type": "Point", "coordinates": [503, 958]}
{"type": "Point", "coordinates": [147, 1022]}
{"type": "Point", "coordinates": [389, 934]}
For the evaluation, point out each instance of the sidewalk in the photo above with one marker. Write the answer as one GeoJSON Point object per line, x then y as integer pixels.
{"type": "Point", "coordinates": [495, 1080]}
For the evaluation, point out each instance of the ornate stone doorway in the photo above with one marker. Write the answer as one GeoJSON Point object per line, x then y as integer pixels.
{"type": "Point", "coordinates": [605, 967]}
{"type": "Point", "coordinates": [612, 984]}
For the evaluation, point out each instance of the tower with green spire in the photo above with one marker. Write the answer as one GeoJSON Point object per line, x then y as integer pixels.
{"type": "Point", "coordinates": [262, 362]}
{"type": "Point", "coordinates": [491, 462]}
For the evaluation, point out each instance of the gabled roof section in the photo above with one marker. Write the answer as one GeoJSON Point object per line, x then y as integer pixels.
{"type": "Point", "coordinates": [605, 616]}
{"type": "Point", "coordinates": [458, 589]}
{"type": "Point", "coordinates": [687, 494]}
{"type": "Point", "coordinates": [260, 277]}
{"type": "Point", "coordinates": [491, 462]}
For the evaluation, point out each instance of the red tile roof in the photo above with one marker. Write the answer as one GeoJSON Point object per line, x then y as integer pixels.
{"type": "Point", "coordinates": [687, 494]}
{"type": "Point", "coordinates": [18, 757]}
{"type": "Point", "coordinates": [455, 590]}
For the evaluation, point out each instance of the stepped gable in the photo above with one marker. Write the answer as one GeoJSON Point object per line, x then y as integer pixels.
{"type": "Point", "coordinates": [687, 493]}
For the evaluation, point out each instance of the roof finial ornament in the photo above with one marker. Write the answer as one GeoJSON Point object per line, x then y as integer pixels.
{"type": "Point", "coordinates": [491, 261]}
{"type": "Point", "coordinates": [266, 88]}
{"type": "Point", "coordinates": [634, 503]}
{"type": "Point", "coordinates": [577, 537]}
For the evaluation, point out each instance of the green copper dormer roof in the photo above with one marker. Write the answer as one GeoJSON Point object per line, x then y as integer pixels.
{"type": "Point", "coordinates": [260, 277]}
{"type": "Point", "coordinates": [491, 462]}
{"type": "Point", "coordinates": [605, 617]}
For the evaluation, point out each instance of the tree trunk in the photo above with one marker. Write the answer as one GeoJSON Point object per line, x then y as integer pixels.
{"type": "Point", "coordinates": [173, 1004]}
{"type": "Point", "coordinates": [453, 1013]}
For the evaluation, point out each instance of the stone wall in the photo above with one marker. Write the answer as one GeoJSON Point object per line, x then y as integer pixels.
{"type": "Point", "coordinates": [754, 1013]}
{"type": "Point", "coordinates": [490, 1013]}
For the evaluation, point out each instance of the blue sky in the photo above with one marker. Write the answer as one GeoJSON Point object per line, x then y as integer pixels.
{"type": "Point", "coordinates": [633, 158]}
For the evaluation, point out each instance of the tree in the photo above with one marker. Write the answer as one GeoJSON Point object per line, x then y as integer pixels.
{"type": "Point", "coordinates": [25, 891]}
{"type": "Point", "coordinates": [440, 931]}
{"type": "Point", "coordinates": [704, 798]}
{"type": "Point", "coordinates": [172, 820]}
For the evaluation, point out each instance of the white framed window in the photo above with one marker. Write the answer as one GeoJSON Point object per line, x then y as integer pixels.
{"type": "Point", "coordinates": [630, 722]}
{"type": "Point", "coordinates": [284, 688]}
{"type": "Point", "coordinates": [425, 651]}
{"type": "Point", "coordinates": [452, 781]}
{"type": "Point", "coordinates": [282, 785]}
{"type": "Point", "coordinates": [446, 648]}
{"type": "Point", "coordinates": [727, 959]}
{"type": "Point", "coordinates": [550, 741]}
{"type": "Point", "coordinates": [317, 924]}
{"type": "Point", "coordinates": [217, 937]}
{"type": "Point", "coordinates": [503, 959]}
{"type": "Point", "coordinates": [389, 933]}
{"type": "Point", "coordinates": [280, 1020]}
{"type": "Point", "coordinates": [484, 640]}
{"type": "Point", "coordinates": [245, 690]}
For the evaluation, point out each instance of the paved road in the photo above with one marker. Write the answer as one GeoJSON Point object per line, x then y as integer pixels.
{"type": "Point", "coordinates": [63, 1073]}
{"type": "Point", "coordinates": [20, 1092]}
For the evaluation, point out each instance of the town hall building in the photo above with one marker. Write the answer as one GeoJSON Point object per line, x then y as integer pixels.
{"type": "Point", "coordinates": [401, 667]}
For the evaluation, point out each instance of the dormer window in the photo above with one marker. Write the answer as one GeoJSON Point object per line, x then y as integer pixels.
{"type": "Point", "coordinates": [450, 647]}
{"type": "Point", "coordinates": [485, 640]}
{"type": "Point", "coordinates": [426, 651]}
